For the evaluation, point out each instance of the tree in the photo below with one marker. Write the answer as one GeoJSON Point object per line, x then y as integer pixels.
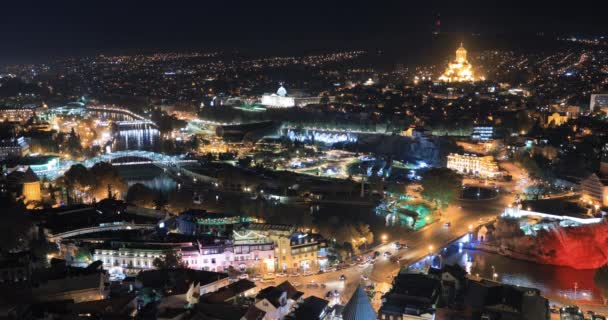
{"type": "Point", "coordinates": [77, 178]}
{"type": "Point", "coordinates": [171, 260]}
{"type": "Point", "coordinates": [93, 182]}
{"type": "Point", "coordinates": [83, 254]}
{"type": "Point", "coordinates": [15, 225]}
{"type": "Point", "coordinates": [41, 249]}
{"type": "Point", "coordinates": [141, 196]}
{"type": "Point", "coordinates": [179, 201]}
{"type": "Point", "coordinates": [601, 281]}
{"type": "Point", "coordinates": [346, 235]}
{"type": "Point", "coordinates": [105, 174]}
{"type": "Point", "coordinates": [441, 186]}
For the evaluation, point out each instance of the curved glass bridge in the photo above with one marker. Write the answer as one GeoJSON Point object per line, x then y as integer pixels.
{"type": "Point", "coordinates": [118, 158]}
{"type": "Point", "coordinates": [131, 157]}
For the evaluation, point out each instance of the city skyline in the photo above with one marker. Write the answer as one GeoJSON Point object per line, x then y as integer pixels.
{"type": "Point", "coordinates": [303, 160]}
{"type": "Point", "coordinates": [44, 30]}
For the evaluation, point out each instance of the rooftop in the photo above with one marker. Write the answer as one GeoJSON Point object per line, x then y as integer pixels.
{"type": "Point", "coordinates": [358, 307]}
{"type": "Point", "coordinates": [178, 279]}
{"type": "Point", "coordinates": [228, 292]}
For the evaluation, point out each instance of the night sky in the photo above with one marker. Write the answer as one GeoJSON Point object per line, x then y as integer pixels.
{"type": "Point", "coordinates": [35, 30]}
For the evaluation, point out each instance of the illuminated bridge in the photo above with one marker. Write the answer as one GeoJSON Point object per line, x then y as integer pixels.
{"type": "Point", "coordinates": [121, 158]}
{"type": "Point", "coordinates": [114, 226]}
{"type": "Point", "coordinates": [136, 118]}
{"type": "Point", "coordinates": [130, 157]}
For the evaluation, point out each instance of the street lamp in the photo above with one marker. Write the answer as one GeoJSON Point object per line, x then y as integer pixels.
{"type": "Point", "coordinates": [384, 237]}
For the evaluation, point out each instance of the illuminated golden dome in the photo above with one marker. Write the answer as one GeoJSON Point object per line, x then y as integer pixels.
{"type": "Point", "coordinates": [460, 70]}
{"type": "Point", "coordinates": [461, 54]}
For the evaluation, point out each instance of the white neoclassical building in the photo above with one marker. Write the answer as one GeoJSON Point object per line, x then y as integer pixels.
{"type": "Point", "coordinates": [483, 166]}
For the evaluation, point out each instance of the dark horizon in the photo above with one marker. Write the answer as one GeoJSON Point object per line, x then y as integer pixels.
{"type": "Point", "coordinates": [43, 31]}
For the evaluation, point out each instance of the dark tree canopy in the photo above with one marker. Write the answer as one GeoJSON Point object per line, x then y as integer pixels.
{"type": "Point", "coordinates": [141, 196]}
{"type": "Point", "coordinates": [171, 260]}
{"type": "Point", "coordinates": [600, 280]}
{"type": "Point", "coordinates": [14, 226]}
{"type": "Point", "coordinates": [94, 181]}
{"type": "Point", "coordinates": [441, 186]}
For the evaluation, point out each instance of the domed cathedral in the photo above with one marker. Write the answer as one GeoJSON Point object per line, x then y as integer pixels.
{"type": "Point", "coordinates": [459, 70]}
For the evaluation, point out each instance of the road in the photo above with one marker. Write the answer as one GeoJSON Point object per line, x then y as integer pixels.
{"type": "Point", "coordinates": [461, 215]}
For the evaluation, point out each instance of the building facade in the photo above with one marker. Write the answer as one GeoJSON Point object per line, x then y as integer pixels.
{"type": "Point", "coordinates": [483, 133]}
{"type": "Point", "coordinates": [294, 251]}
{"type": "Point", "coordinates": [131, 258]}
{"type": "Point", "coordinates": [594, 189]}
{"type": "Point", "coordinates": [557, 119]}
{"type": "Point", "coordinates": [483, 166]}
{"type": "Point", "coordinates": [599, 102]}
{"type": "Point", "coordinates": [280, 99]}
{"type": "Point", "coordinates": [17, 147]}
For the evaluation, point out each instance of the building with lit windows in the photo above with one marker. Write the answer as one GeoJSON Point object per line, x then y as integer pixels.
{"type": "Point", "coordinates": [557, 119]}
{"type": "Point", "coordinates": [19, 113]}
{"type": "Point", "coordinates": [17, 147]}
{"type": "Point", "coordinates": [482, 133]}
{"type": "Point", "coordinates": [459, 70]}
{"type": "Point", "coordinates": [294, 251]}
{"type": "Point", "coordinates": [599, 102]}
{"type": "Point", "coordinates": [133, 257]}
{"type": "Point", "coordinates": [482, 166]}
{"type": "Point", "coordinates": [594, 189]}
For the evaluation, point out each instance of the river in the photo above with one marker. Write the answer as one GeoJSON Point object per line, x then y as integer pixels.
{"type": "Point", "coordinates": [555, 282]}
{"type": "Point", "coordinates": [149, 175]}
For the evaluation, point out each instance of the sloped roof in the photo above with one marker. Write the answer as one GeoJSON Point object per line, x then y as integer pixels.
{"type": "Point", "coordinates": [292, 292]}
{"type": "Point", "coordinates": [358, 307]}
{"type": "Point", "coordinates": [272, 294]}
{"type": "Point", "coordinates": [311, 308]}
{"type": "Point", "coordinates": [230, 291]}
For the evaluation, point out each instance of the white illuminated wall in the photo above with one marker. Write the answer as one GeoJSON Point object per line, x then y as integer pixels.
{"type": "Point", "coordinates": [276, 101]}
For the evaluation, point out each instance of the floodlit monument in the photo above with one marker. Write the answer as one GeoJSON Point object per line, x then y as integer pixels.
{"type": "Point", "coordinates": [459, 70]}
{"type": "Point", "coordinates": [296, 98]}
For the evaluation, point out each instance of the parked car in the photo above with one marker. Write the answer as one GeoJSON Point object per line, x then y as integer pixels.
{"type": "Point", "coordinates": [387, 254]}
{"type": "Point", "coordinates": [297, 274]}
{"type": "Point", "coordinates": [268, 278]}
{"type": "Point", "coordinates": [312, 285]}
{"type": "Point", "coordinates": [243, 276]}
